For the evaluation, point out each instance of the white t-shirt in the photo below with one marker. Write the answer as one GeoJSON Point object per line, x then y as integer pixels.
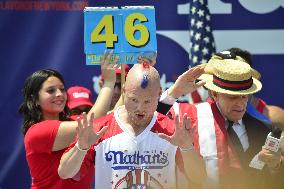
{"type": "Point", "coordinates": [144, 161]}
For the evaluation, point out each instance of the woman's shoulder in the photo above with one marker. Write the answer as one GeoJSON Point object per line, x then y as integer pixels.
{"type": "Point", "coordinates": [41, 135]}
{"type": "Point", "coordinates": [43, 128]}
{"type": "Point", "coordinates": [46, 124]}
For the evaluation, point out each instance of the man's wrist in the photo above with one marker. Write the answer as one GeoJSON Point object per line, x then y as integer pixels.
{"type": "Point", "coordinates": [167, 99]}
{"type": "Point", "coordinates": [109, 84]}
{"type": "Point", "coordinates": [187, 149]}
{"type": "Point", "coordinates": [172, 93]}
{"type": "Point", "coordinates": [80, 149]}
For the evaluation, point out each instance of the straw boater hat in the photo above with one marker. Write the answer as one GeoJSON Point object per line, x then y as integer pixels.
{"type": "Point", "coordinates": [227, 55]}
{"type": "Point", "coordinates": [230, 76]}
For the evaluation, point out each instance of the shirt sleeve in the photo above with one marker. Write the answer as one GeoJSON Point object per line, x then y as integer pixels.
{"type": "Point", "coordinates": [163, 108]}
{"type": "Point", "coordinates": [41, 136]}
{"type": "Point", "coordinates": [166, 99]}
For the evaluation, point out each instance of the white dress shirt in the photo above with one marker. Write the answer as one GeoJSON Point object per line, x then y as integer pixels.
{"type": "Point", "coordinates": [241, 132]}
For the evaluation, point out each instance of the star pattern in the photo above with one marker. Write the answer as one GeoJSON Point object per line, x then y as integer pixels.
{"type": "Point", "coordinates": [201, 41]}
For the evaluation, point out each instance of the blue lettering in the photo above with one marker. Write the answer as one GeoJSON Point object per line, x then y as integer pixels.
{"type": "Point", "coordinates": [149, 159]}
{"type": "Point", "coordinates": [114, 155]}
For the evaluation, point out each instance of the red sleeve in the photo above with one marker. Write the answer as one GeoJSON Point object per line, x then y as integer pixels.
{"type": "Point", "coordinates": [41, 136]}
{"type": "Point", "coordinates": [163, 125]}
{"type": "Point", "coordinates": [171, 113]}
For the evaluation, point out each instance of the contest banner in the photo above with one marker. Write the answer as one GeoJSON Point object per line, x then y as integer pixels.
{"type": "Point", "coordinates": [129, 31]}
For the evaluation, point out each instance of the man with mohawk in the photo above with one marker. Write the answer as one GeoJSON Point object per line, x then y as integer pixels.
{"type": "Point", "coordinates": [127, 147]}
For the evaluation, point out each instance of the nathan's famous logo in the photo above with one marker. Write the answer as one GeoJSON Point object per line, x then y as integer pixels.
{"type": "Point", "coordinates": [138, 179]}
{"type": "Point", "coordinates": [145, 160]}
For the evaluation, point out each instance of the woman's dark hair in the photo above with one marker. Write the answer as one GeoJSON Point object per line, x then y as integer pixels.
{"type": "Point", "coordinates": [30, 110]}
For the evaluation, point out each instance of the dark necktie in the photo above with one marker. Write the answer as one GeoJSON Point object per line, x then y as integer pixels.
{"type": "Point", "coordinates": [234, 138]}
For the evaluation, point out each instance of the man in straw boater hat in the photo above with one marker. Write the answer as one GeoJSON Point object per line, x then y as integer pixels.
{"type": "Point", "coordinates": [226, 136]}
{"type": "Point", "coordinates": [257, 107]}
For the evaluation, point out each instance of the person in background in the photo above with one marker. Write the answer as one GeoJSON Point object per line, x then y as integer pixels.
{"type": "Point", "coordinates": [127, 147]}
{"type": "Point", "coordinates": [117, 87]}
{"type": "Point", "coordinates": [226, 136]}
{"type": "Point", "coordinates": [47, 127]}
{"type": "Point", "coordinates": [79, 100]}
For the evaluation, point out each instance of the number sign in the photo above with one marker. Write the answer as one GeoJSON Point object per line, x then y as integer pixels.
{"type": "Point", "coordinates": [129, 31]}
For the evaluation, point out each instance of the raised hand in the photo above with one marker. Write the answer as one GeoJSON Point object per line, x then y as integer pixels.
{"type": "Point", "coordinates": [85, 131]}
{"type": "Point", "coordinates": [108, 66]}
{"type": "Point", "coordinates": [183, 135]}
{"type": "Point", "coordinates": [185, 83]}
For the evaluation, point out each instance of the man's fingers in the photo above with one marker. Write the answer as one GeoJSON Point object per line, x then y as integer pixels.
{"type": "Point", "coordinates": [109, 56]}
{"type": "Point", "coordinates": [115, 66]}
{"type": "Point", "coordinates": [184, 122]}
{"type": "Point", "coordinates": [197, 72]}
{"type": "Point", "coordinates": [192, 74]}
{"type": "Point", "coordinates": [115, 59]}
{"type": "Point", "coordinates": [193, 128]}
{"type": "Point", "coordinates": [91, 120]}
{"type": "Point", "coordinates": [177, 122]}
{"type": "Point", "coordinates": [103, 57]}
{"type": "Point", "coordinates": [77, 130]}
{"type": "Point", "coordinates": [79, 124]}
{"type": "Point", "coordinates": [200, 83]}
{"type": "Point", "coordinates": [102, 131]}
{"type": "Point", "coordinates": [185, 73]}
{"type": "Point", "coordinates": [85, 120]}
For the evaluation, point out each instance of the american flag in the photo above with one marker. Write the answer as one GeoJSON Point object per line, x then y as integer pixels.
{"type": "Point", "coordinates": [201, 40]}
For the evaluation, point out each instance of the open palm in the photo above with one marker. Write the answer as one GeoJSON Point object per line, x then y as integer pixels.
{"type": "Point", "coordinates": [86, 134]}
{"type": "Point", "coordinates": [185, 83]}
{"type": "Point", "coordinates": [183, 135]}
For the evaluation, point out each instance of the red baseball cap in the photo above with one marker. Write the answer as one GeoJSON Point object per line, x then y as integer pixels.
{"type": "Point", "coordinates": [79, 96]}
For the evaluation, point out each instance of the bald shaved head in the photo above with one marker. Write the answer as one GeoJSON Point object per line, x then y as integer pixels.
{"type": "Point", "coordinates": [144, 77]}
